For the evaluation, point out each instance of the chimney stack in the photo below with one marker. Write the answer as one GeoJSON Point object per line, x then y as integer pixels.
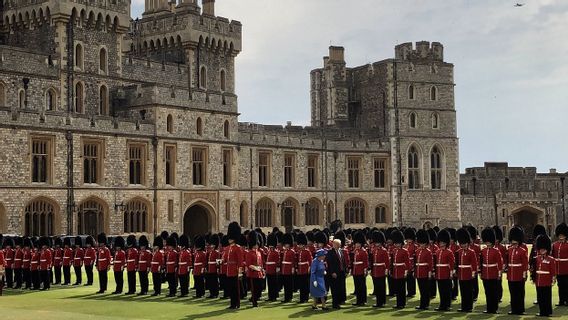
{"type": "Point", "coordinates": [209, 7]}
{"type": "Point", "coordinates": [336, 54]}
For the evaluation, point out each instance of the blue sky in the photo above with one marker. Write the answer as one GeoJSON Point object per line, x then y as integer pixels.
{"type": "Point", "coordinates": [511, 69]}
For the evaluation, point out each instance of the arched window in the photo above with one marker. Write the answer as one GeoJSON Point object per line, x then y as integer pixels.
{"type": "Point", "coordinates": [226, 132]}
{"type": "Point", "coordinates": [199, 126]}
{"type": "Point", "coordinates": [135, 217]}
{"type": "Point", "coordinates": [2, 94]}
{"type": "Point", "coordinates": [381, 214]}
{"type": "Point", "coordinates": [263, 213]}
{"type": "Point", "coordinates": [90, 218]}
{"type": "Point", "coordinates": [435, 121]}
{"type": "Point", "coordinates": [412, 120]}
{"type": "Point", "coordinates": [79, 56]}
{"type": "Point", "coordinates": [413, 169]}
{"type": "Point", "coordinates": [433, 93]}
{"type": "Point", "coordinates": [50, 100]}
{"type": "Point", "coordinates": [39, 218]}
{"type": "Point", "coordinates": [79, 97]}
{"type": "Point", "coordinates": [103, 60]}
{"type": "Point", "coordinates": [411, 92]}
{"type": "Point", "coordinates": [170, 124]}
{"type": "Point", "coordinates": [103, 101]}
{"type": "Point", "coordinates": [203, 78]}
{"type": "Point", "coordinates": [22, 99]}
{"type": "Point", "coordinates": [436, 168]}
{"type": "Point", "coordinates": [312, 213]}
{"type": "Point", "coordinates": [223, 81]}
{"type": "Point", "coordinates": [354, 211]}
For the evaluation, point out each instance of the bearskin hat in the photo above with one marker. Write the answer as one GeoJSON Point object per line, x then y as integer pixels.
{"type": "Point", "coordinates": [516, 234]}
{"type": "Point", "coordinates": [262, 239]}
{"type": "Point", "coordinates": [437, 229]}
{"type": "Point", "coordinates": [43, 242]}
{"type": "Point", "coordinates": [409, 234]}
{"type": "Point", "coordinates": [444, 236]}
{"type": "Point", "coordinates": [453, 233]}
{"type": "Point", "coordinates": [320, 237]}
{"type": "Point", "coordinates": [143, 241]}
{"type": "Point", "coordinates": [359, 237]}
{"type": "Point", "coordinates": [397, 236]}
{"type": "Point", "coordinates": [498, 233]}
{"type": "Point", "coordinates": [310, 236]}
{"type": "Point", "coordinates": [158, 242]}
{"type": "Point", "coordinates": [272, 240]}
{"type": "Point", "coordinates": [58, 241]}
{"type": "Point", "coordinates": [335, 226]}
{"type": "Point", "coordinates": [66, 241]}
{"type": "Point", "coordinates": [164, 235]}
{"type": "Point", "coordinates": [252, 239]}
{"type": "Point", "coordinates": [225, 241]}
{"type": "Point", "coordinates": [378, 237]}
{"type": "Point", "coordinates": [302, 239]}
{"type": "Point", "coordinates": [214, 240]}
{"type": "Point", "coordinates": [102, 238]}
{"type": "Point", "coordinates": [288, 239]}
{"type": "Point", "coordinates": [472, 232]}
{"type": "Point", "coordinates": [171, 241]}
{"type": "Point", "coordinates": [432, 234]}
{"type": "Point", "coordinates": [341, 236]}
{"type": "Point", "coordinates": [79, 241]}
{"type": "Point", "coordinates": [543, 242]}
{"type": "Point", "coordinates": [8, 242]}
{"type": "Point", "coordinates": [275, 230]}
{"type": "Point", "coordinates": [243, 242]}
{"type": "Point", "coordinates": [488, 235]}
{"type": "Point", "coordinates": [199, 243]}
{"type": "Point", "coordinates": [561, 229]}
{"type": "Point", "coordinates": [234, 231]}
{"type": "Point", "coordinates": [463, 236]}
{"type": "Point", "coordinates": [422, 236]}
{"type": "Point", "coordinates": [184, 241]}
{"type": "Point", "coordinates": [131, 241]}
{"type": "Point", "coordinates": [538, 230]}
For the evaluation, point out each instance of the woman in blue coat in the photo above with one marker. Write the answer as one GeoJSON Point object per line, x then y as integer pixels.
{"type": "Point", "coordinates": [317, 282]}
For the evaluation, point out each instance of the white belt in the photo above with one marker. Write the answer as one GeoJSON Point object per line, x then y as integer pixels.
{"type": "Point", "coordinates": [399, 264]}
{"type": "Point", "coordinates": [78, 258]}
{"type": "Point", "coordinates": [302, 263]}
{"type": "Point", "coordinates": [142, 262]}
{"type": "Point", "coordinates": [490, 265]}
{"type": "Point", "coordinates": [55, 259]}
{"type": "Point", "coordinates": [212, 262]}
{"type": "Point", "coordinates": [442, 265]}
{"type": "Point", "coordinates": [378, 264]}
{"type": "Point", "coordinates": [26, 260]}
{"type": "Point", "coordinates": [173, 262]}
{"type": "Point", "coordinates": [181, 263]}
{"type": "Point", "coordinates": [422, 264]}
{"type": "Point", "coordinates": [516, 265]}
{"type": "Point", "coordinates": [21, 259]}
{"type": "Point", "coordinates": [155, 262]}
{"type": "Point", "coordinates": [463, 266]}
{"type": "Point", "coordinates": [102, 259]}
{"type": "Point", "coordinates": [197, 263]}
{"type": "Point", "coordinates": [358, 262]}
{"type": "Point", "coordinates": [563, 260]}
{"type": "Point", "coordinates": [130, 260]}
{"type": "Point", "coordinates": [270, 263]}
{"type": "Point", "coordinates": [542, 272]}
{"type": "Point", "coordinates": [42, 260]}
{"type": "Point", "coordinates": [286, 262]}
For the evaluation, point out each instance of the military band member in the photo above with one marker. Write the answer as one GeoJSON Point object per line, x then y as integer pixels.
{"type": "Point", "coordinates": [223, 266]}
{"type": "Point", "coordinates": [67, 261]}
{"type": "Point", "coordinates": [45, 262]}
{"type": "Point", "coordinates": [34, 265]}
{"type": "Point", "coordinates": [400, 267]}
{"type": "Point", "coordinates": [380, 268]}
{"type": "Point", "coordinates": [444, 270]}
{"type": "Point", "coordinates": [491, 269]}
{"type": "Point", "coordinates": [9, 253]}
{"type": "Point", "coordinates": [18, 262]}
{"type": "Point", "coordinates": [272, 267]}
{"type": "Point", "coordinates": [185, 263]}
{"type": "Point", "coordinates": [538, 230]}
{"type": "Point", "coordinates": [288, 264]}
{"type": "Point", "coordinates": [103, 262]}
{"type": "Point", "coordinates": [454, 247]}
{"type": "Point", "coordinates": [211, 276]}
{"type": "Point", "coordinates": [503, 250]}
{"type": "Point", "coordinates": [78, 256]}
{"type": "Point", "coordinates": [424, 264]}
{"type": "Point", "coordinates": [545, 275]}
{"type": "Point", "coordinates": [360, 267]}
{"type": "Point", "coordinates": [171, 265]}
{"type": "Point", "coordinates": [199, 267]}
{"type": "Point", "coordinates": [433, 247]}
{"type": "Point", "coordinates": [119, 263]}
{"type": "Point", "coordinates": [304, 263]}
{"type": "Point", "coordinates": [89, 259]}
{"type": "Point", "coordinates": [410, 246]}
{"type": "Point", "coordinates": [144, 264]}
{"type": "Point", "coordinates": [234, 265]}
{"type": "Point", "coordinates": [474, 245]}
{"type": "Point", "coordinates": [131, 263]}
{"type": "Point", "coordinates": [157, 265]}
{"type": "Point", "coordinates": [466, 261]}
{"type": "Point", "coordinates": [517, 270]}
{"type": "Point", "coordinates": [560, 253]}
{"type": "Point", "coordinates": [57, 260]}
{"type": "Point", "coordinates": [254, 267]}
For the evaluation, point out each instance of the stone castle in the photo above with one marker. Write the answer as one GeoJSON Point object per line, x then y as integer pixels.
{"type": "Point", "coordinates": [131, 126]}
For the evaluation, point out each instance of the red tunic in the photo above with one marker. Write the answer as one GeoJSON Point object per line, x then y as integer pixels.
{"type": "Point", "coordinates": [304, 261]}
{"type": "Point", "coordinates": [360, 262]}
{"type": "Point", "coordinates": [518, 264]}
{"type": "Point", "coordinates": [78, 256]}
{"type": "Point", "coordinates": [288, 262]}
{"type": "Point", "coordinates": [67, 257]}
{"type": "Point", "coordinates": [90, 256]}
{"type": "Point", "coordinates": [131, 259]}
{"type": "Point", "coordinates": [381, 262]}
{"type": "Point", "coordinates": [200, 260]}
{"type": "Point", "coordinates": [171, 261]}
{"type": "Point", "coordinates": [58, 258]}
{"type": "Point", "coordinates": [234, 260]}
{"type": "Point", "coordinates": [224, 261]}
{"type": "Point", "coordinates": [400, 263]}
{"type": "Point", "coordinates": [184, 262]}
{"type": "Point", "coordinates": [467, 264]}
{"type": "Point", "coordinates": [144, 260]}
{"type": "Point", "coordinates": [445, 263]}
{"type": "Point", "coordinates": [212, 256]}
{"type": "Point", "coordinates": [34, 266]}
{"type": "Point", "coordinates": [158, 262]}
{"type": "Point", "coordinates": [477, 249]}
{"type": "Point", "coordinates": [9, 258]}
{"type": "Point", "coordinates": [545, 270]}
{"type": "Point", "coordinates": [254, 264]}
{"type": "Point", "coordinates": [18, 258]}
{"type": "Point", "coordinates": [119, 261]}
{"type": "Point", "coordinates": [411, 248]}
{"type": "Point", "coordinates": [45, 260]}
{"type": "Point", "coordinates": [27, 258]}
{"type": "Point", "coordinates": [503, 251]}
{"type": "Point", "coordinates": [424, 263]}
{"type": "Point", "coordinates": [273, 262]}
{"type": "Point", "coordinates": [560, 253]}
{"type": "Point", "coordinates": [103, 261]}
{"type": "Point", "coordinates": [491, 263]}
{"type": "Point", "coordinates": [2, 260]}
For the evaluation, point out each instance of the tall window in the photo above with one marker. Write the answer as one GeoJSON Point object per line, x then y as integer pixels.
{"type": "Point", "coordinates": [79, 56]}
{"type": "Point", "coordinates": [199, 126]}
{"type": "Point", "coordinates": [379, 166]}
{"type": "Point", "coordinates": [203, 78]}
{"type": "Point", "coordinates": [312, 171]}
{"type": "Point", "coordinates": [227, 166]}
{"type": "Point", "coordinates": [263, 213]}
{"type": "Point", "coordinates": [22, 99]}
{"type": "Point", "coordinates": [435, 121]}
{"type": "Point", "coordinates": [170, 159]}
{"type": "Point", "coordinates": [312, 212]}
{"type": "Point", "coordinates": [223, 81]}
{"type": "Point", "coordinates": [137, 163]}
{"type": "Point", "coordinates": [103, 60]}
{"type": "Point", "coordinates": [380, 214]}
{"type": "Point", "coordinates": [39, 219]}
{"type": "Point", "coordinates": [412, 120]}
{"type": "Point", "coordinates": [354, 211]}
{"type": "Point", "coordinates": [263, 169]}
{"type": "Point", "coordinates": [199, 166]}
{"type": "Point", "coordinates": [413, 169]}
{"type": "Point", "coordinates": [433, 93]}
{"type": "Point", "coordinates": [288, 213]}
{"type": "Point", "coordinates": [226, 129]}
{"type": "Point", "coordinates": [436, 169]}
{"type": "Point", "coordinates": [289, 161]}
{"type": "Point", "coordinates": [50, 100]}
{"type": "Point", "coordinates": [170, 123]}
{"type": "Point", "coordinates": [92, 161]}
{"type": "Point", "coordinates": [41, 160]}
{"type": "Point", "coordinates": [353, 171]}
{"type": "Point", "coordinates": [103, 101]}
{"type": "Point", "coordinates": [411, 92]}
{"type": "Point", "coordinates": [79, 97]}
{"type": "Point", "coordinates": [135, 217]}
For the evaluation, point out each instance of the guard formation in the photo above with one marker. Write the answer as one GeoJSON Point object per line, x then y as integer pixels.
{"type": "Point", "coordinates": [241, 265]}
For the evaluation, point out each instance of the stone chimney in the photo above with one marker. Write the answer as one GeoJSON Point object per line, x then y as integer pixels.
{"type": "Point", "coordinates": [209, 7]}
{"type": "Point", "coordinates": [336, 54]}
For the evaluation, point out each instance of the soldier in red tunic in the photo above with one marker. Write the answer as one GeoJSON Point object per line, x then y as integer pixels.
{"type": "Point", "coordinates": [360, 267]}
{"type": "Point", "coordinates": [304, 263]}
{"type": "Point", "coordinates": [503, 250]}
{"type": "Point", "coordinates": [67, 261]}
{"type": "Point", "coordinates": [45, 261]}
{"type": "Point", "coordinates": [288, 266]}
{"type": "Point", "coordinates": [400, 267]}
{"type": "Point", "coordinates": [184, 265]}
{"type": "Point", "coordinates": [466, 262]}
{"type": "Point", "coordinates": [119, 263]}
{"type": "Point", "coordinates": [34, 266]}
{"type": "Point", "coordinates": [433, 247]}
{"type": "Point", "coordinates": [199, 267]}
{"type": "Point", "coordinates": [103, 262]}
{"type": "Point", "coordinates": [131, 263]}
{"type": "Point", "coordinates": [144, 264]}
{"type": "Point", "coordinates": [517, 270]}
{"type": "Point", "coordinates": [9, 253]}
{"type": "Point", "coordinates": [272, 267]}
{"type": "Point", "coordinates": [474, 245]}
{"type": "Point", "coordinates": [78, 256]}
{"type": "Point", "coordinates": [560, 253]}
{"type": "Point", "coordinates": [158, 265]}
{"type": "Point", "coordinates": [454, 247]}
{"type": "Point", "coordinates": [254, 267]}
{"type": "Point", "coordinates": [223, 266]}
{"type": "Point", "coordinates": [444, 270]}
{"type": "Point", "coordinates": [57, 260]}
{"type": "Point", "coordinates": [380, 268]}
{"type": "Point", "coordinates": [545, 275]}
{"type": "Point", "coordinates": [491, 269]}
{"type": "Point", "coordinates": [18, 261]}
{"type": "Point", "coordinates": [2, 267]}
{"type": "Point", "coordinates": [234, 265]}
{"type": "Point", "coordinates": [171, 265]}
{"type": "Point", "coordinates": [89, 259]}
{"type": "Point", "coordinates": [424, 264]}
{"type": "Point", "coordinates": [211, 277]}
{"type": "Point", "coordinates": [410, 246]}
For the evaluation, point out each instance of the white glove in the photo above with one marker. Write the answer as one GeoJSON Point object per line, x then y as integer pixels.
{"type": "Point", "coordinates": [315, 284]}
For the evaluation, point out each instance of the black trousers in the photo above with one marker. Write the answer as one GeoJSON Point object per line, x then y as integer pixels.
{"type": "Point", "coordinates": [303, 284]}
{"type": "Point", "coordinates": [360, 288]}
{"type": "Point", "coordinates": [233, 287]}
{"type": "Point", "coordinates": [500, 290]}
{"type": "Point", "coordinates": [255, 285]}
{"type": "Point", "coordinates": [119, 280]}
{"type": "Point", "coordinates": [212, 284]}
{"type": "Point", "coordinates": [337, 289]}
{"type": "Point", "coordinates": [57, 273]}
{"type": "Point", "coordinates": [78, 275]}
{"type": "Point", "coordinates": [157, 281]}
{"type": "Point", "coordinates": [243, 289]}
{"type": "Point", "coordinates": [131, 276]}
{"type": "Point", "coordinates": [411, 284]}
{"type": "Point", "coordinates": [143, 277]}
{"type": "Point", "coordinates": [27, 277]}
{"type": "Point", "coordinates": [433, 288]}
{"type": "Point", "coordinates": [475, 287]}
{"type": "Point", "coordinates": [391, 287]}
{"type": "Point", "coordinates": [424, 287]}
{"type": "Point", "coordinates": [103, 280]}
{"type": "Point", "coordinates": [44, 279]}
{"type": "Point", "coordinates": [273, 286]}
{"type": "Point", "coordinates": [9, 277]}
{"type": "Point", "coordinates": [491, 295]}
{"type": "Point", "coordinates": [455, 288]}
{"type": "Point", "coordinates": [222, 285]}
{"type": "Point", "coordinates": [544, 298]}
{"type": "Point", "coordinates": [66, 274]}
{"type": "Point", "coordinates": [517, 292]}
{"type": "Point", "coordinates": [562, 289]}
{"type": "Point", "coordinates": [343, 287]}
{"type": "Point", "coordinates": [288, 281]}
{"type": "Point", "coordinates": [380, 290]}
{"type": "Point", "coordinates": [35, 279]}
{"type": "Point", "coordinates": [466, 293]}
{"type": "Point", "coordinates": [199, 284]}
{"type": "Point", "coordinates": [172, 283]}
{"type": "Point", "coordinates": [399, 286]}
{"type": "Point", "coordinates": [18, 278]}
{"type": "Point", "coordinates": [445, 290]}
{"type": "Point", "coordinates": [89, 273]}
{"type": "Point", "coordinates": [184, 284]}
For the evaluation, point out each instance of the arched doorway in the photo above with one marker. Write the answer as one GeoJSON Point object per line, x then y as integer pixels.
{"type": "Point", "coordinates": [40, 217]}
{"type": "Point", "coordinates": [91, 217]}
{"type": "Point", "coordinates": [527, 218]}
{"type": "Point", "coordinates": [289, 213]}
{"type": "Point", "coordinates": [196, 221]}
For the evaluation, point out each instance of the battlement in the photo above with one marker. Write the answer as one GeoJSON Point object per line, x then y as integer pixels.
{"type": "Point", "coordinates": [423, 50]}
{"type": "Point", "coordinates": [120, 6]}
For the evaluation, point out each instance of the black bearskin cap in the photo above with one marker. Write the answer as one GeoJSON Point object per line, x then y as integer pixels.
{"type": "Point", "coordinates": [341, 236]}
{"type": "Point", "coordinates": [214, 240]}
{"type": "Point", "coordinates": [234, 231]}
{"type": "Point", "coordinates": [199, 243]}
{"type": "Point", "coordinates": [335, 226]}
{"type": "Point", "coordinates": [444, 236]}
{"type": "Point", "coordinates": [164, 235]}
{"type": "Point", "coordinates": [253, 239]}
{"type": "Point", "coordinates": [463, 236]}
{"type": "Point", "coordinates": [561, 229]}
{"type": "Point", "coordinates": [58, 241]}
{"type": "Point", "coordinates": [378, 237]}
{"type": "Point", "coordinates": [543, 242]}
{"type": "Point", "coordinates": [79, 241]}
{"type": "Point", "coordinates": [437, 229]}
{"type": "Point", "coordinates": [43, 242]}
{"type": "Point", "coordinates": [472, 232]}
{"type": "Point", "coordinates": [272, 240]}
{"type": "Point", "coordinates": [8, 242]}
{"type": "Point", "coordinates": [225, 241]}
{"type": "Point", "coordinates": [288, 239]}
{"type": "Point", "coordinates": [488, 235]}
{"type": "Point", "coordinates": [66, 241]}
{"type": "Point", "coordinates": [397, 236]}
{"type": "Point", "coordinates": [131, 241]}
{"type": "Point", "coordinates": [409, 234]}
{"type": "Point", "coordinates": [172, 241]}
{"type": "Point", "coordinates": [243, 242]}
{"type": "Point", "coordinates": [516, 234]}
{"type": "Point", "coordinates": [310, 236]}
{"type": "Point", "coordinates": [422, 236]}
{"type": "Point", "coordinates": [143, 241]}
{"type": "Point", "coordinates": [119, 242]}
{"type": "Point", "coordinates": [538, 230]}
{"type": "Point", "coordinates": [102, 238]}
{"type": "Point", "coordinates": [88, 241]}
{"type": "Point", "coordinates": [359, 237]}
{"type": "Point", "coordinates": [432, 234]}
{"type": "Point", "coordinates": [452, 232]}
{"type": "Point", "coordinates": [158, 242]}
{"type": "Point", "coordinates": [184, 241]}
{"type": "Point", "coordinates": [498, 233]}
{"type": "Point", "coordinates": [320, 237]}
{"type": "Point", "coordinates": [302, 239]}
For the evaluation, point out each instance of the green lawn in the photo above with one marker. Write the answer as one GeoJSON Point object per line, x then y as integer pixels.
{"type": "Point", "coordinates": [81, 303]}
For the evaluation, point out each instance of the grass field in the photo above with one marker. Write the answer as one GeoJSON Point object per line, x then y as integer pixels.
{"type": "Point", "coordinates": [82, 303]}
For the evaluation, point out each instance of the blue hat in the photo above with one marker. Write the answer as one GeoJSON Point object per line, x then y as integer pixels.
{"type": "Point", "coordinates": [321, 253]}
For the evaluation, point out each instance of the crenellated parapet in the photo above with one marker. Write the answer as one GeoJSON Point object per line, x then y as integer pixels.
{"type": "Point", "coordinates": [423, 50]}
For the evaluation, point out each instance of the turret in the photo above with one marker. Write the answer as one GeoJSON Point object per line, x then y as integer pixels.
{"type": "Point", "coordinates": [424, 51]}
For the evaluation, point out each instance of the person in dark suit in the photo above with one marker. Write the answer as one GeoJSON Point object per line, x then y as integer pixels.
{"type": "Point", "coordinates": [336, 269]}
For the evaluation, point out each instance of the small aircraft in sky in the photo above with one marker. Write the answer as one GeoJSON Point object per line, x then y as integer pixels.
{"type": "Point", "coordinates": [519, 4]}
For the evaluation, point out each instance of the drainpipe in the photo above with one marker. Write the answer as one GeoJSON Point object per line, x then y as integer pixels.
{"type": "Point", "coordinates": [155, 183]}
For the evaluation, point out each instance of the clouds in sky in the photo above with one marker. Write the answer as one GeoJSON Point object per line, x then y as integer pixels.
{"type": "Point", "coordinates": [511, 69]}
